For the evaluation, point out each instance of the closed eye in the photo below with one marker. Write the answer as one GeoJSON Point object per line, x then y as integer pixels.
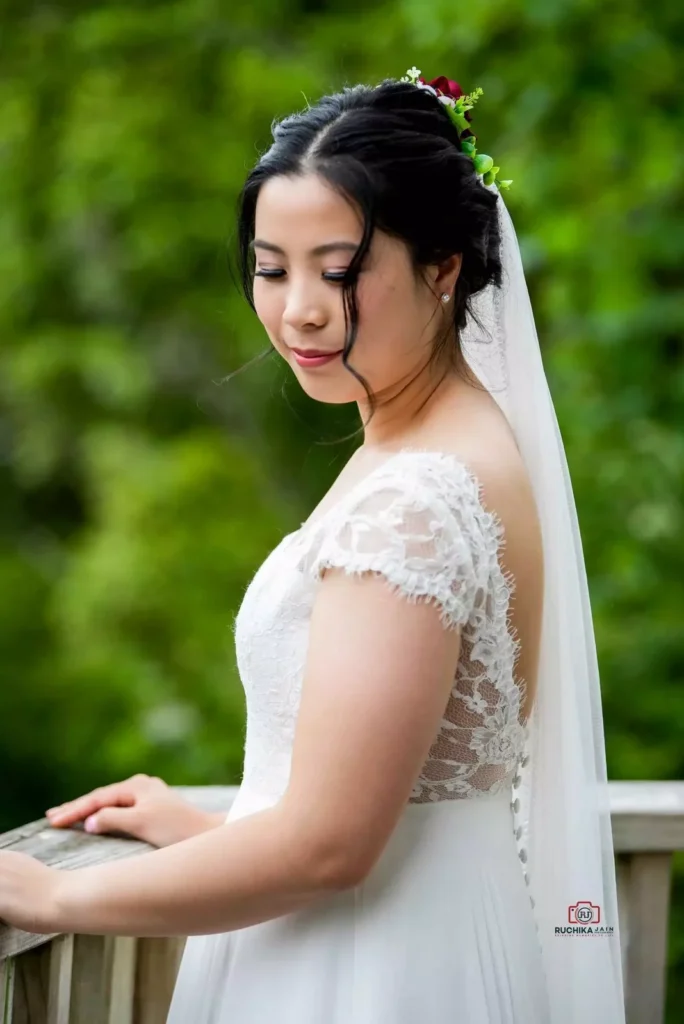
{"type": "Point", "coordinates": [279, 274]}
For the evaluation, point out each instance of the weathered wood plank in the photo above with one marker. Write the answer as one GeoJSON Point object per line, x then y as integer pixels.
{"type": "Point", "coordinates": [103, 979]}
{"type": "Point", "coordinates": [647, 816]}
{"type": "Point", "coordinates": [622, 866]}
{"type": "Point", "coordinates": [646, 878]}
{"type": "Point", "coordinates": [6, 990]}
{"type": "Point", "coordinates": [157, 969]}
{"type": "Point", "coordinates": [121, 976]}
{"type": "Point", "coordinates": [59, 986]}
{"type": "Point", "coordinates": [73, 848]}
{"type": "Point", "coordinates": [31, 986]}
{"type": "Point", "coordinates": [61, 848]}
{"type": "Point", "coordinates": [89, 986]}
{"type": "Point", "coordinates": [41, 989]}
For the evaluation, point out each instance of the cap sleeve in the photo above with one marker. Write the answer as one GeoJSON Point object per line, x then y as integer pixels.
{"type": "Point", "coordinates": [420, 524]}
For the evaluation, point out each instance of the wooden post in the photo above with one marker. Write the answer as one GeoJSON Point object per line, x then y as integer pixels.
{"type": "Point", "coordinates": [121, 976]}
{"type": "Point", "coordinates": [158, 962]}
{"type": "Point", "coordinates": [6, 990]}
{"type": "Point", "coordinates": [622, 867]}
{"type": "Point", "coordinates": [103, 980]}
{"type": "Point", "coordinates": [647, 879]}
{"type": "Point", "coordinates": [59, 985]}
{"type": "Point", "coordinates": [32, 977]}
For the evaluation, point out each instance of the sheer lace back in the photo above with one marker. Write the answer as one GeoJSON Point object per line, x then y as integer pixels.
{"type": "Point", "coordinates": [419, 521]}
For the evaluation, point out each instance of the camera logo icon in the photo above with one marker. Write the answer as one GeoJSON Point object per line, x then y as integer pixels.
{"type": "Point", "coordinates": [584, 912]}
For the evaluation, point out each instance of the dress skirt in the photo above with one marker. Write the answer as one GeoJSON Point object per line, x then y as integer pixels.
{"type": "Point", "coordinates": [441, 931]}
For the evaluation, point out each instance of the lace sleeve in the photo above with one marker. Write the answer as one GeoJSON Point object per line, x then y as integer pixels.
{"type": "Point", "coordinates": [420, 528]}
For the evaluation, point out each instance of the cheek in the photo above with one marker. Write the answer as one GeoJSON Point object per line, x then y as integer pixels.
{"type": "Point", "coordinates": [268, 307]}
{"type": "Point", "coordinates": [388, 316]}
{"type": "Point", "coordinates": [263, 300]}
{"type": "Point", "coordinates": [387, 295]}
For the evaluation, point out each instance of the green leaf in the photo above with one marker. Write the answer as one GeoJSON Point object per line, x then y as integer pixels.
{"type": "Point", "coordinates": [483, 163]}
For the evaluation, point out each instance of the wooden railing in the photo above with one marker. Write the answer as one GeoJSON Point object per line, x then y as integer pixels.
{"type": "Point", "coordinates": [648, 827]}
{"type": "Point", "coordinates": [88, 979]}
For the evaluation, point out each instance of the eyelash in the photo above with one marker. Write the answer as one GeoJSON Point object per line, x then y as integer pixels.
{"type": "Point", "coordinates": [276, 275]}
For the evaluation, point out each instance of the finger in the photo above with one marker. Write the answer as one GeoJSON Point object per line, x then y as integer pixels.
{"type": "Point", "coordinates": [118, 794]}
{"type": "Point", "coordinates": [112, 819]}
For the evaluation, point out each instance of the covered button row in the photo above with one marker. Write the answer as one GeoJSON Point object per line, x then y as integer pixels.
{"type": "Point", "coordinates": [515, 807]}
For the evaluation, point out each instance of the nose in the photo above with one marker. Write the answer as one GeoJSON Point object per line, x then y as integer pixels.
{"type": "Point", "coordinates": [303, 309]}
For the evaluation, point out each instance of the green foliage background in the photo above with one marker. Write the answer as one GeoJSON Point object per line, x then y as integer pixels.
{"type": "Point", "coordinates": [138, 494]}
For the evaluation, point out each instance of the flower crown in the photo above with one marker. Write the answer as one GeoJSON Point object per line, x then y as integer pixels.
{"type": "Point", "coordinates": [458, 107]}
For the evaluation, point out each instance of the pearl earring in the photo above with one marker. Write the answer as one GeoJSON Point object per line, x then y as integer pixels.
{"type": "Point", "coordinates": [446, 297]}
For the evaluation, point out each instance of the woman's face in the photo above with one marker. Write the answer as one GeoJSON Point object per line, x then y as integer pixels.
{"type": "Point", "coordinates": [305, 237]}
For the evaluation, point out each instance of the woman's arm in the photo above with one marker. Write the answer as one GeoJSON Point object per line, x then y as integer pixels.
{"type": "Point", "coordinates": [237, 874]}
{"type": "Point", "coordinates": [379, 672]}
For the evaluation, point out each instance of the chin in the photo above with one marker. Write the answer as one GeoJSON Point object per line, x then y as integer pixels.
{"type": "Point", "coordinates": [331, 391]}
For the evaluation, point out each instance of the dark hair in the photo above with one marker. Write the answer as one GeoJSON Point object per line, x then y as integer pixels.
{"type": "Point", "coordinates": [393, 152]}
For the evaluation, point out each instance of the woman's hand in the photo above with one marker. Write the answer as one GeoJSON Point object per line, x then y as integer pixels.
{"type": "Point", "coordinates": [143, 807]}
{"type": "Point", "coordinates": [28, 892]}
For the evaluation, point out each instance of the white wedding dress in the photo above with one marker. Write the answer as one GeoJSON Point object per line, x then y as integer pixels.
{"type": "Point", "coordinates": [443, 930]}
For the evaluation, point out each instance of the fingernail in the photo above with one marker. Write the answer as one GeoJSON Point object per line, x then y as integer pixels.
{"type": "Point", "coordinates": [91, 824]}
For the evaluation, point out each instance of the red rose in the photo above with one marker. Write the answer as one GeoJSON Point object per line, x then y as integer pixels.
{"type": "Point", "coordinates": [446, 86]}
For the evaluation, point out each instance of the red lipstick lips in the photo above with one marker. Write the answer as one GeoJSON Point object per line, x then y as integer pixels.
{"type": "Point", "coordinates": [312, 358]}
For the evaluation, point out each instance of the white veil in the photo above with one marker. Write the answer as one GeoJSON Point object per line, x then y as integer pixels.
{"type": "Point", "coordinates": [562, 808]}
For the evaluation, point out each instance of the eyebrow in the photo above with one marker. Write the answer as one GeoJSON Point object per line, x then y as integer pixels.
{"type": "Point", "coordinates": [320, 250]}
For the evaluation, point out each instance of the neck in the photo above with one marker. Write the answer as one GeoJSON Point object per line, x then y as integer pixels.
{"type": "Point", "coordinates": [404, 409]}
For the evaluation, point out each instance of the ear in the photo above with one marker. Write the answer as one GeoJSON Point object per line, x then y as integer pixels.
{"type": "Point", "coordinates": [446, 274]}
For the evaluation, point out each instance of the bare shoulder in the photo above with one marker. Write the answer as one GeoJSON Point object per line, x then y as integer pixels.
{"type": "Point", "coordinates": [472, 427]}
{"type": "Point", "coordinates": [506, 486]}
{"type": "Point", "coordinates": [480, 436]}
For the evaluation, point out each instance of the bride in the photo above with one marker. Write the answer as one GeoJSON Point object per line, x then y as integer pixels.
{"type": "Point", "coordinates": [422, 831]}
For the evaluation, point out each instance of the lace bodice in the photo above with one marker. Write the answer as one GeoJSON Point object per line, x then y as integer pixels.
{"type": "Point", "coordinates": [418, 520]}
